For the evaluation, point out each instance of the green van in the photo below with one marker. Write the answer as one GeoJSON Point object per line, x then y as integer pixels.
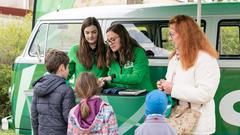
{"type": "Point", "coordinates": [148, 24]}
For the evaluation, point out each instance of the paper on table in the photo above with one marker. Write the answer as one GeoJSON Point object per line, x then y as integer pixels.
{"type": "Point", "coordinates": [131, 92]}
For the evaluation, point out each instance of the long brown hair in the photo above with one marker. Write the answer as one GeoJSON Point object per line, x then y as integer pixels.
{"type": "Point", "coordinates": [128, 44]}
{"type": "Point", "coordinates": [192, 40]}
{"type": "Point", "coordinates": [86, 87]}
{"type": "Point", "coordinates": [84, 53]}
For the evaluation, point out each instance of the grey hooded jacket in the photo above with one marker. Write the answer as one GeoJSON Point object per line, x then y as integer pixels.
{"type": "Point", "coordinates": [51, 103]}
{"type": "Point", "coordinates": [155, 125]}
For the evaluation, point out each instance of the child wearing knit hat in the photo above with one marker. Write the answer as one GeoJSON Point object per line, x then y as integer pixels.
{"type": "Point", "coordinates": [154, 123]}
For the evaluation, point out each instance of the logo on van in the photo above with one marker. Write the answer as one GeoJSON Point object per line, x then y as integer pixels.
{"type": "Point", "coordinates": [226, 109]}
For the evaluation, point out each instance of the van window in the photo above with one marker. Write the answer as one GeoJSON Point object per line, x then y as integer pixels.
{"type": "Point", "coordinates": [152, 36]}
{"type": "Point", "coordinates": [149, 35]}
{"type": "Point", "coordinates": [39, 41]}
{"type": "Point", "coordinates": [55, 36]}
{"type": "Point", "coordinates": [229, 38]}
{"type": "Point", "coordinates": [63, 36]}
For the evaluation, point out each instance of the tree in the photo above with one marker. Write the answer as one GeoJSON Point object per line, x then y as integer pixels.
{"type": "Point", "coordinates": [13, 37]}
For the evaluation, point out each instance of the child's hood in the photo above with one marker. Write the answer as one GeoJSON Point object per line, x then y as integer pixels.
{"type": "Point", "coordinates": [47, 84]}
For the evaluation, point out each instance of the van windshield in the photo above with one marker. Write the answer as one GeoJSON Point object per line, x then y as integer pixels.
{"type": "Point", "coordinates": [55, 36]}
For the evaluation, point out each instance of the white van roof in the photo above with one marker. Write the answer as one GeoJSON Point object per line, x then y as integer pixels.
{"type": "Point", "coordinates": [113, 11]}
{"type": "Point", "coordinates": [144, 11]}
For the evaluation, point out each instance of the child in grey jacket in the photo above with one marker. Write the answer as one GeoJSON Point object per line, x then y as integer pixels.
{"type": "Point", "coordinates": [52, 97]}
{"type": "Point", "coordinates": [154, 123]}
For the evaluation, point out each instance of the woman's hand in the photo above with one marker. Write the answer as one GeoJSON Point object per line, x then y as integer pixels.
{"type": "Point", "coordinates": [159, 84]}
{"type": "Point", "coordinates": [164, 86]}
{"type": "Point", "coordinates": [167, 87]}
{"type": "Point", "coordinates": [101, 83]}
{"type": "Point", "coordinates": [108, 78]}
{"type": "Point", "coordinates": [102, 80]}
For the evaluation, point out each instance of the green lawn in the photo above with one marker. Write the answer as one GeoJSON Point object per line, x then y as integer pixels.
{"type": "Point", "coordinates": [8, 132]}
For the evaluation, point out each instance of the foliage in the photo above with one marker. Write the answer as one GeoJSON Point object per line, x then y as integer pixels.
{"type": "Point", "coordinates": [8, 132]}
{"type": "Point", "coordinates": [230, 40]}
{"type": "Point", "coordinates": [5, 80]}
{"type": "Point", "coordinates": [13, 38]}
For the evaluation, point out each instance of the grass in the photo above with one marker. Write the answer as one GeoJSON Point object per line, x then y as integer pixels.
{"type": "Point", "coordinates": [7, 132]}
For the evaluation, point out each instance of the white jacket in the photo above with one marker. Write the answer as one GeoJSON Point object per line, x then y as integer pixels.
{"type": "Point", "coordinates": [197, 85]}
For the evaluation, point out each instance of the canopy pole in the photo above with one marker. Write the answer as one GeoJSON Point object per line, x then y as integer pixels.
{"type": "Point", "coordinates": [199, 10]}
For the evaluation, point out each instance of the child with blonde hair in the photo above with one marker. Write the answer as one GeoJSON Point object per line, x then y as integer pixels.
{"type": "Point", "coordinates": [92, 115]}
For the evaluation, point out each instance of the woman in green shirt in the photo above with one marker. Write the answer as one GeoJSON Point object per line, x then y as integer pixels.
{"type": "Point", "coordinates": [127, 61]}
{"type": "Point", "coordinates": [90, 54]}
